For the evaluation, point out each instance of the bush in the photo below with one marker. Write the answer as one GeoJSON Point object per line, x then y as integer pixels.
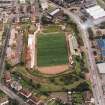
{"type": "Point", "coordinates": [7, 66]}
{"type": "Point", "coordinates": [52, 80]}
{"type": "Point", "coordinates": [82, 87]}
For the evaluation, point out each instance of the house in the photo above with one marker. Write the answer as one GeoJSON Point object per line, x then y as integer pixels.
{"type": "Point", "coordinates": [7, 76]}
{"type": "Point", "coordinates": [16, 86]}
{"type": "Point", "coordinates": [88, 98]}
{"type": "Point", "coordinates": [33, 100]}
{"type": "Point", "coordinates": [25, 93]}
{"type": "Point", "coordinates": [4, 101]}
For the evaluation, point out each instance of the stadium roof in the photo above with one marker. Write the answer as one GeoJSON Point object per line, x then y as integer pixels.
{"type": "Point", "coordinates": [101, 68]}
{"type": "Point", "coordinates": [96, 11]}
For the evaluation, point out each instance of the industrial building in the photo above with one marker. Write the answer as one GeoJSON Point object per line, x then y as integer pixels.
{"type": "Point", "coordinates": [96, 12]}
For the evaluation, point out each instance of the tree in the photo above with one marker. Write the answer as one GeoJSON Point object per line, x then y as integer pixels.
{"type": "Point", "coordinates": [44, 20]}
{"type": "Point", "coordinates": [82, 87]}
{"type": "Point", "coordinates": [91, 34]}
{"type": "Point", "coordinates": [7, 65]}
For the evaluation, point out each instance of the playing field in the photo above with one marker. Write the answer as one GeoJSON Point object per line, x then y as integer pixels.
{"type": "Point", "coordinates": [52, 49]}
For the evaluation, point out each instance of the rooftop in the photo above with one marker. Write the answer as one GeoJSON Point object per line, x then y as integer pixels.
{"type": "Point", "coordinates": [15, 85]}
{"type": "Point", "coordinates": [25, 93]}
{"type": "Point", "coordinates": [33, 100]}
{"type": "Point", "coordinates": [96, 11]}
{"type": "Point", "coordinates": [101, 67]}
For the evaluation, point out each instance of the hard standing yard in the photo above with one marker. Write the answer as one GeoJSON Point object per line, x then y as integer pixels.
{"type": "Point", "coordinates": [52, 49]}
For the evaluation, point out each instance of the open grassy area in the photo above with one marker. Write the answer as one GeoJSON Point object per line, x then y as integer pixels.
{"type": "Point", "coordinates": [52, 49]}
{"type": "Point", "coordinates": [51, 28]}
{"type": "Point", "coordinates": [48, 84]}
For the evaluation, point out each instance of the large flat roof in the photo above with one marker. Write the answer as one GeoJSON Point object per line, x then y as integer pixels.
{"type": "Point", "coordinates": [96, 12]}
{"type": "Point", "coordinates": [31, 44]}
{"type": "Point", "coordinates": [101, 68]}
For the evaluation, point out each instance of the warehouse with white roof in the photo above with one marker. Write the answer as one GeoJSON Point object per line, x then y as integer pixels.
{"type": "Point", "coordinates": [96, 12]}
{"type": "Point", "coordinates": [101, 68]}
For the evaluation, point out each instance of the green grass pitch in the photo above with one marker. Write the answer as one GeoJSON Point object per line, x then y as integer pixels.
{"type": "Point", "coordinates": [52, 49]}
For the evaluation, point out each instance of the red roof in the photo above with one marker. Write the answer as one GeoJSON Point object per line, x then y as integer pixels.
{"type": "Point", "coordinates": [34, 99]}
{"type": "Point", "coordinates": [25, 93]}
{"type": "Point", "coordinates": [31, 103]}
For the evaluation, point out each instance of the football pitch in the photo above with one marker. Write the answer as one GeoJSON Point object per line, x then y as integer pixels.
{"type": "Point", "coordinates": [52, 49]}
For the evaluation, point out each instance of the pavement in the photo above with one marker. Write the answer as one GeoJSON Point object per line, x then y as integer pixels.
{"type": "Point", "coordinates": [95, 79]}
{"type": "Point", "coordinates": [3, 53]}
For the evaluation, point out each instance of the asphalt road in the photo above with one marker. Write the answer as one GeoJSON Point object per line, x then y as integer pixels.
{"type": "Point", "coordinates": [3, 53]}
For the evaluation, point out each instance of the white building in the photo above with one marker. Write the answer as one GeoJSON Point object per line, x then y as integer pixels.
{"type": "Point", "coordinates": [96, 12]}
{"type": "Point", "coordinates": [55, 12]}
